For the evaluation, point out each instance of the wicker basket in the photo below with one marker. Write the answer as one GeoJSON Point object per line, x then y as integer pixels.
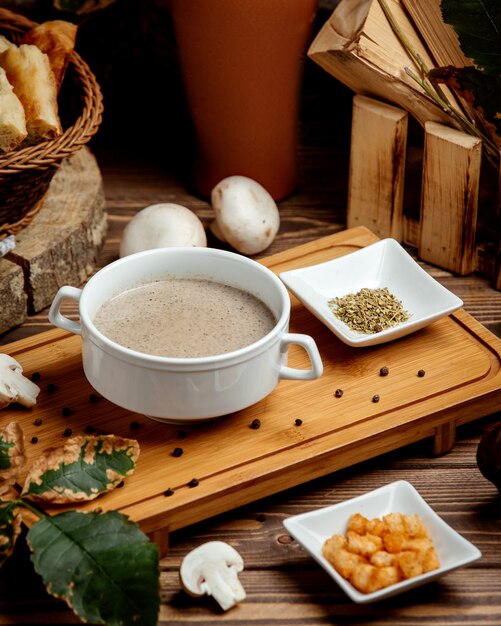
{"type": "Point", "coordinates": [25, 174]}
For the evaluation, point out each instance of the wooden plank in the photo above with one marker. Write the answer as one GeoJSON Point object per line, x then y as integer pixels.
{"type": "Point", "coordinates": [449, 198]}
{"type": "Point", "coordinates": [377, 167]}
{"type": "Point", "coordinates": [235, 464]}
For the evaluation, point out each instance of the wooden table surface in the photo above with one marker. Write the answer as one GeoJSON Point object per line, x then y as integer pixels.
{"type": "Point", "coordinates": [284, 585]}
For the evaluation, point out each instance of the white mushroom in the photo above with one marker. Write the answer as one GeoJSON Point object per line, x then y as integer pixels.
{"type": "Point", "coordinates": [246, 215]}
{"type": "Point", "coordinates": [162, 226]}
{"type": "Point", "coordinates": [14, 386]}
{"type": "Point", "coordinates": [212, 569]}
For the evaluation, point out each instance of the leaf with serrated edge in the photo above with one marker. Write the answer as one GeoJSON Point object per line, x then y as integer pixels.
{"type": "Point", "coordinates": [12, 458]}
{"type": "Point", "coordinates": [82, 469]}
{"type": "Point", "coordinates": [10, 527]}
{"type": "Point", "coordinates": [101, 564]}
{"type": "Point", "coordinates": [478, 26]}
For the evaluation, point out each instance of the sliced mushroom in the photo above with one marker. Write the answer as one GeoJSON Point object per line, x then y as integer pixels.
{"type": "Point", "coordinates": [162, 226]}
{"type": "Point", "coordinates": [14, 386]}
{"type": "Point", "coordinates": [212, 569]}
{"type": "Point", "coordinates": [247, 217]}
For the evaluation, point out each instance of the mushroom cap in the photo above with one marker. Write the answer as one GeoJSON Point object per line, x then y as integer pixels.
{"type": "Point", "coordinates": [163, 225]}
{"type": "Point", "coordinates": [246, 214]}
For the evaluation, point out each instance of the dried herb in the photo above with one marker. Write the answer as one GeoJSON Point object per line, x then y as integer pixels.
{"type": "Point", "coordinates": [369, 311]}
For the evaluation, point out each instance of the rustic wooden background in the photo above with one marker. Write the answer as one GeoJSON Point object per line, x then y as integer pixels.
{"type": "Point", "coordinates": [144, 154]}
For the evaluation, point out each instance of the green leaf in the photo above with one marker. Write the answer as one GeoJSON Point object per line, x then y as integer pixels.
{"type": "Point", "coordinates": [478, 26]}
{"type": "Point", "coordinates": [12, 457]}
{"type": "Point", "coordinates": [10, 527]}
{"type": "Point", "coordinates": [101, 564]}
{"type": "Point", "coordinates": [81, 469]}
{"type": "Point", "coordinates": [482, 90]}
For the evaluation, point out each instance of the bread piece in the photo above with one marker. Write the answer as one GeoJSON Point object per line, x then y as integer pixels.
{"type": "Point", "coordinates": [4, 43]}
{"type": "Point", "coordinates": [57, 39]}
{"type": "Point", "coordinates": [12, 118]}
{"type": "Point", "coordinates": [28, 71]}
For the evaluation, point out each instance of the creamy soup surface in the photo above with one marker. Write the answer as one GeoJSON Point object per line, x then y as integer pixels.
{"type": "Point", "coordinates": [184, 318]}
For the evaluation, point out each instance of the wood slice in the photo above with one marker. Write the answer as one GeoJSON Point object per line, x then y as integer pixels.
{"type": "Point", "coordinates": [61, 244]}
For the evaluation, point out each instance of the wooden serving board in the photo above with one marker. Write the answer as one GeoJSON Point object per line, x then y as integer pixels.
{"type": "Point", "coordinates": [234, 463]}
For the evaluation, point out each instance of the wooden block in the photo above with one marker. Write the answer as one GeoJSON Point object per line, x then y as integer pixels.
{"type": "Point", "coordinates": [449, 198]}
{"type": "Point", "coordinates": [377, 167]}
{"type": "Point", "coordinates": [14, 309]}
{"type": "Point", "coordinates": [496, 279]}
{"type": "Point", "coordinates": [61, 244]}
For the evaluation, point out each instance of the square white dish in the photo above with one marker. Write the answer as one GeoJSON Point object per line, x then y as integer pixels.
{"type": "Point", "coordinates": [382, 264]}
{"type": "Point", "coordinates": [313, 528]}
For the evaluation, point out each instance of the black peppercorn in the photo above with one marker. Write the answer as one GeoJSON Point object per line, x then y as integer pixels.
{"type": "Point", "coordinates": [36, 376]}
{"type": "Point", "coordinates": [193, 482]}
{"type": "Point", "coordinates": [68, 432]}
{"type": "Point", "coordinates": [177, 452]}
{"type": "Point", "coordinates": [169, 492]}
{"type": "Point", "coordinates": [66, 411]}
{"type": "Point", "coordinates": [51, 387]}
{"type": "Point", "coordinates": [384, 371]}
{"type": "Point", "coordinates": [134, 425]}
{"type": "Point", "coordinates": [255, 424]}
{"type": "Point", "coordinates": [38, 421]}
{"type": "Point", "coordinates": [298, 422]}
{"type": "Point", "coordinates": [120, 485]}
{"type": "Point", "coordinates": [338, 393]}
{"type": "Point", "coordinates": [181, 434]}
{"type": "Point", "coordinates": [34, 440]}
{"type": "Point", "coordinates": [375, 398]}
{"type": "Point", "coordinates": [421, 373]}
{"type": "Point", "coordinates": [94, 398]}
{"type": "Point", "coordinates": [89, 429]}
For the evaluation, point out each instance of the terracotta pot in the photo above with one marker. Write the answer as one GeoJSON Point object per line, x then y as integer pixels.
{"type": "Point", "coordinates": [242, 66]}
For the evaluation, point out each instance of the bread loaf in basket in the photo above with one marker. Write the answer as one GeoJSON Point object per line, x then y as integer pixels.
{"type": "Point", "coordinates": [26, 171]}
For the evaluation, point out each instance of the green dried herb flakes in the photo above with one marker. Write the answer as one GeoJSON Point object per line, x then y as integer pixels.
{"type": "Point", "coordinates": [369, 311]}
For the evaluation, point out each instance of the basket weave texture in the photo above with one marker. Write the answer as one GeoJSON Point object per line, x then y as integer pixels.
{"type": "Point", "coordinates": [25, 173]}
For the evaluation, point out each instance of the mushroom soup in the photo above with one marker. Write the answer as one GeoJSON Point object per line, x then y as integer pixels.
{"type": "Point", "coordinates": [184, 318]}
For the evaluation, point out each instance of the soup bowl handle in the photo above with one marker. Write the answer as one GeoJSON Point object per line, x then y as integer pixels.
{"type": "Point", "coordinates": [55, 315]}
{"type": "Point", "coordinates": [307, 342]}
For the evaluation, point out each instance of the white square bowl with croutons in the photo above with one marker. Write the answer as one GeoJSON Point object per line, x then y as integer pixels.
{"type": "Point", "coordinates": [314, 528]}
